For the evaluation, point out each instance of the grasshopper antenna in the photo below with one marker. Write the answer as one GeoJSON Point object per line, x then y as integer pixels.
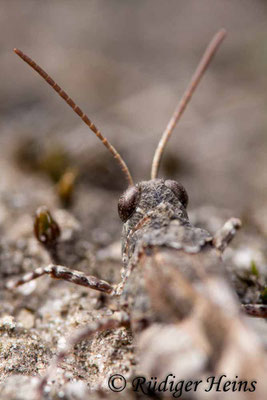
{"type": "Point", "coordinates": [201, 68]}
{"type": "Point", "coordinates": [78, 111]}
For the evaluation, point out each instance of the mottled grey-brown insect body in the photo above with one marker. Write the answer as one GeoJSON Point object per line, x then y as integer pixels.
{"type": "Point", "coordinates": [160, 225]}
{"type": "Point", "coordinates": [178, 295]}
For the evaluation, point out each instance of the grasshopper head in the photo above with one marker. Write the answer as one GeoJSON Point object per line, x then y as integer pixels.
{"type": "Point", "coordinates": [146, 196]}
{"type": "Point", "coordinates": [151, 212]}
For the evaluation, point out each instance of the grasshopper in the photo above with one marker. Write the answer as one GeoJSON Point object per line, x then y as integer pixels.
{"type": "Point", "coordinates": [175, 294]}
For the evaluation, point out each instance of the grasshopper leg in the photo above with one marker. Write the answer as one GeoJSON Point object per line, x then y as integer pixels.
{"type": "Point", "coordinates": [224, 235]}
{"type": "Point", "coordinates": [66, 274]}
{"type": "Point", "coordinates": [255, 310]}
{"type": "Point", "coordinates": [120, 319]}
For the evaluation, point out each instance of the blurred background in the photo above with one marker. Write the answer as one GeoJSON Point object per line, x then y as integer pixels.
{"type": "Point", "coordinates": [127, 63]}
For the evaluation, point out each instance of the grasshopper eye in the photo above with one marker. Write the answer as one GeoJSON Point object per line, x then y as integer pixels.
{"type": "Point", "coordinates": [178, 190]}
{"type": "Point", "coordinates": [128, 202]}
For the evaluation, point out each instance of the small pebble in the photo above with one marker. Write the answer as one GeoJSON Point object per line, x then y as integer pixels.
{"type": "Point", "coordinates": [7, 322]}
{"type": "Point", "coordinates": [26, 318]}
